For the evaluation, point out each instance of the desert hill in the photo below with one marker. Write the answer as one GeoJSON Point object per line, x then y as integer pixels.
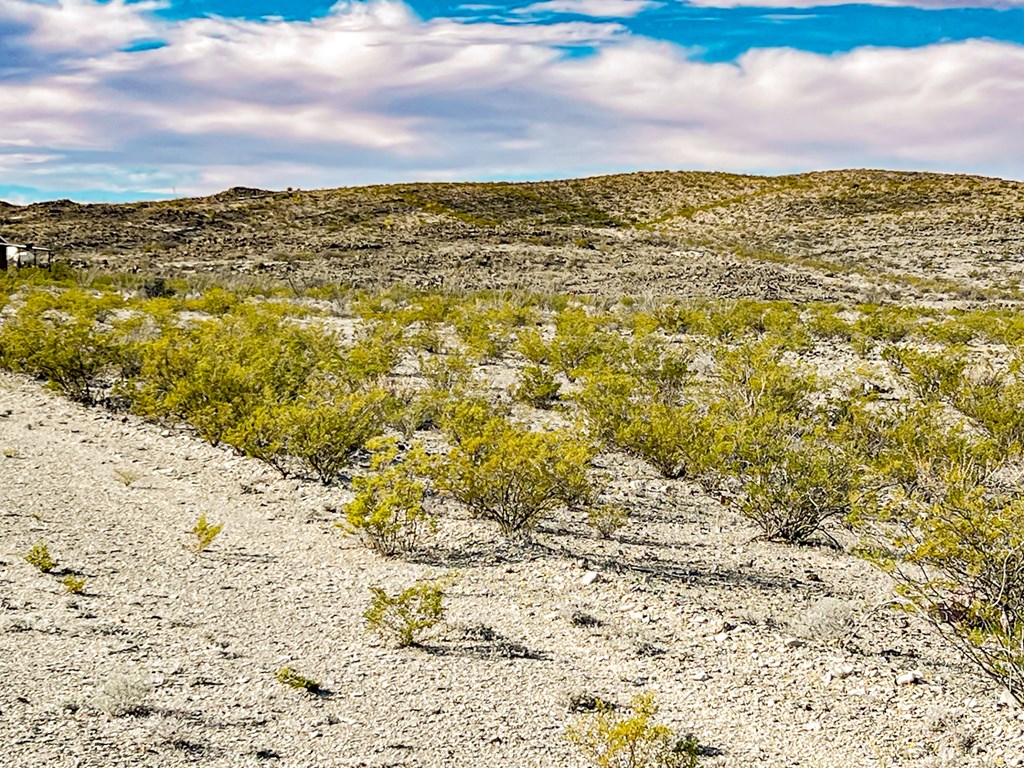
{"type": "Point", "coordinates": [862, 235]}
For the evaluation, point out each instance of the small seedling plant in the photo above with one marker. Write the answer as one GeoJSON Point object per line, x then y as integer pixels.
{"type": "Point", "coordinates": [203, 534]}
{"type": "Point", "coordinates": [40, 557]}
{"type": "Point", "coordinates": [291, 678]}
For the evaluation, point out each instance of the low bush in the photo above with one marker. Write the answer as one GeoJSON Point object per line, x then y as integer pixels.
{"type": "Point", "coordinates": [933, 376]}
{"type": "Point", "coordinates": [387, 513]}
{"type": "Point", "coordinates": [606, 518]}
{"type": "Point", "coordinates": [537, 387]}
{"type": "Point", "coordinates": [39, 557]}
{"type": "Point", "coordinates": [203, 534]}
{"type": "Point", "coordinates": [960, 562]}
{"type": "Point", "coordinates": [611, 739]}
{"type": "Point", "coordinates": [513, 476]}
{"type": "Point", "coordinates": [404, 617]}
{"type": "Point", "coordinates": [792, 482]}
{"type": "Point", "coordinates": [293, 679]}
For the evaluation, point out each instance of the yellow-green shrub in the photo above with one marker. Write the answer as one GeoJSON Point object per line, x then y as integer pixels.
{"type": "Point", "coordinates": [611, 739]}
{"type": "Point", "coordinates": [513, 476]}
{"type": "Point", "coordinates": [387, 513]}
{"type": "Point", "coordinates": [404, 617]}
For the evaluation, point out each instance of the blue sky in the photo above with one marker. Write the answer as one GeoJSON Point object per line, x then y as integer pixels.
{"type": "Point", "coordinates": [120, 100]}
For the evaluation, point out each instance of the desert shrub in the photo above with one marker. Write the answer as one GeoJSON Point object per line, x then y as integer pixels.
{"type": "Point", "coordinates": [74, 585]}
{"type": "Point", "coordinates": [487, 328]}
{"type": "Point", "coordinates": [216, 373]}
{"type": "Point", "coordinates": [579, 339]}
{"type": "Point", "coordinates": [59, 338]}
{"type": "Point", "coordinates": [996, 403]}
{"type": "Point", "coordinates": [122, 695]}
{"type": "Point", "coordinates": [464, 418]}
{"type": "Point", "coordinates": [513, 476]}
{"type": "Point", "coordinates": [754, 378]}
{"type": "Point", "coordinates": [324, 435]}
{"type": "Point", "coordinates": [611, 739]}
{"type": "Point", "coordinates": [294, 679]}
{"type": "Point", "coordinates": [531, 345]}
{"type": "Point", "coordinates": [606, 518]}
{"type": "Point", "coordinates": [374, 354]}
{"type": "Point", "coordinates": [890, 324]}
{"type": "Point", "coordinates": [933, 376]}
{"type": "Point", "coordinates": [448, 372]}
{"type": "Point", "coordinates": [680, 441]}
{"type": "Point", "coordinates": [911, 448]}
{"type": "Point", "coordinates": [40, 558]}
{"type": "Point", "coordinates": [823, 322]}
{"type": "Point", "coordinates": [203, 534]}
{"type": "Point", "coordinates": [959, 561]}
{"type": "Point", "coordinates": [536, 386]}
{"type": "Point", "coordinates": [214, 301]}
{"type": "Point", "coordinates": [387, 513]}
{"type": "Point", "coordinates": [606, 400]}
{"type": "Point", "coordinates": [404, 617]}
{"type": "Point", "coordinates": [792, 479]}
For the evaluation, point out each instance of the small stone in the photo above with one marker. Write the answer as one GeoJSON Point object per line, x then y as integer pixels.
{"type": "Point", "coordinates": [795, 642]}
{"type": "Point", "coordinates": [588, 578]}
{"type": "Point", "coordinates": [913, 677]}
{"type": "Point", "coordinates": [843, 671]}
{"type": "Point", "coordinates": [700, 675]}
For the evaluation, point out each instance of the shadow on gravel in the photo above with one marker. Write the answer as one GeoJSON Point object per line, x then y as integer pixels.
{"type": "Point", "coordinates": [676, 572]}
{"type": "Point", "coordinates": [482, 642]}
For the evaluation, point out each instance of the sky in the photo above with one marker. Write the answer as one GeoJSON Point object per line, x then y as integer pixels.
{"type": "Point", "coordinates": [112, 100]}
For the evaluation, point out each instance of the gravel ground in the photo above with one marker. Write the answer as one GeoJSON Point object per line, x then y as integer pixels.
{"type": "Point", "coordinates": [769, 655]}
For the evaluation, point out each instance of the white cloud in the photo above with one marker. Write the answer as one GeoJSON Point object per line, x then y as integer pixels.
{"type": "Point", "coordinates": [606, 9]}
{"type": "Point", "coordinates": [371, 93]}
{"type": "Point", "coordinates": [926, 4]}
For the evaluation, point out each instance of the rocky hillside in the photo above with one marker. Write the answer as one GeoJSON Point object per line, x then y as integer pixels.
{"type": "Point", "coordinates": [858, 235]}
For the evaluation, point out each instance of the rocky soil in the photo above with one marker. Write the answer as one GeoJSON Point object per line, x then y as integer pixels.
{"type": "Point", "coordinates": [843, 235]}
{"type": "Point", "coordinates": [770, 655]}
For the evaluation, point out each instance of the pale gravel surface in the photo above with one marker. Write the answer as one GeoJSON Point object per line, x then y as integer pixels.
{"type": "Point", "coordinates": [282, 586]}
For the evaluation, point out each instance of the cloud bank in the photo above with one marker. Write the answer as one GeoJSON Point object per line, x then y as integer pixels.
{"type": "Point", "coordinates": [371, 93]}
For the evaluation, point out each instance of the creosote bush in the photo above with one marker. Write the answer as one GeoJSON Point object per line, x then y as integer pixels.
{"type": "Point", "coordinates": [404, 617]}
{"type": "Point", "coordinates": [514, 476]}
{"type": "Point", "coordinates": [960, 561]}
{"type": "Point", "coordinates": [611, 739]}
{"type": "Point", "coordinates": [39, 557]}
{"type": "Point", "coordinates": [74, 585]}
{"type": "Point", "coordinates": [387, 513]}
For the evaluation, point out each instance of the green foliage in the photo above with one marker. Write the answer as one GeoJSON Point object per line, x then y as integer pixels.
{"type": "Point", "coordinates": [755, 378]}
{"type": "Point", "coordinates": [60, 338]}
{"type": "Point", "coordinates": [215, 374]}
{"type": "Point", "coordinates": [387, 512]}
{"type": "Point", "coordinates": [680, 441]}
{"type": "Point", "coordinates": [933, 376]}
{"type": "Point", "coordinates": [203, 534]}
{"type": "Point", "coordinates": [537, 386]}
{"type": "Point", "coordinates": [996, 403]}
{"type": "Point", "coordinates": [610, 739]}
{"type": "Point", "coordinates": [606, 519]}
{"type": "Point", "coordinates": [447, 373]}
{"type": "Point", "coordinates": [74, 585]}
{"type": "Point", "coordinates": [513, 476]}
{"type": "Point", "coordinates": [39, 557]}
{"type": "Point", "coordinates": [959, 561]}
{"type": "Point", "coordinates": [291, 678]}
{"type": "Point", "coordinates": [792, 479]}
{"type": "Point", "coordinates": [324, 436]}
{"type": "Point", "coordinates": [404, 617]}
